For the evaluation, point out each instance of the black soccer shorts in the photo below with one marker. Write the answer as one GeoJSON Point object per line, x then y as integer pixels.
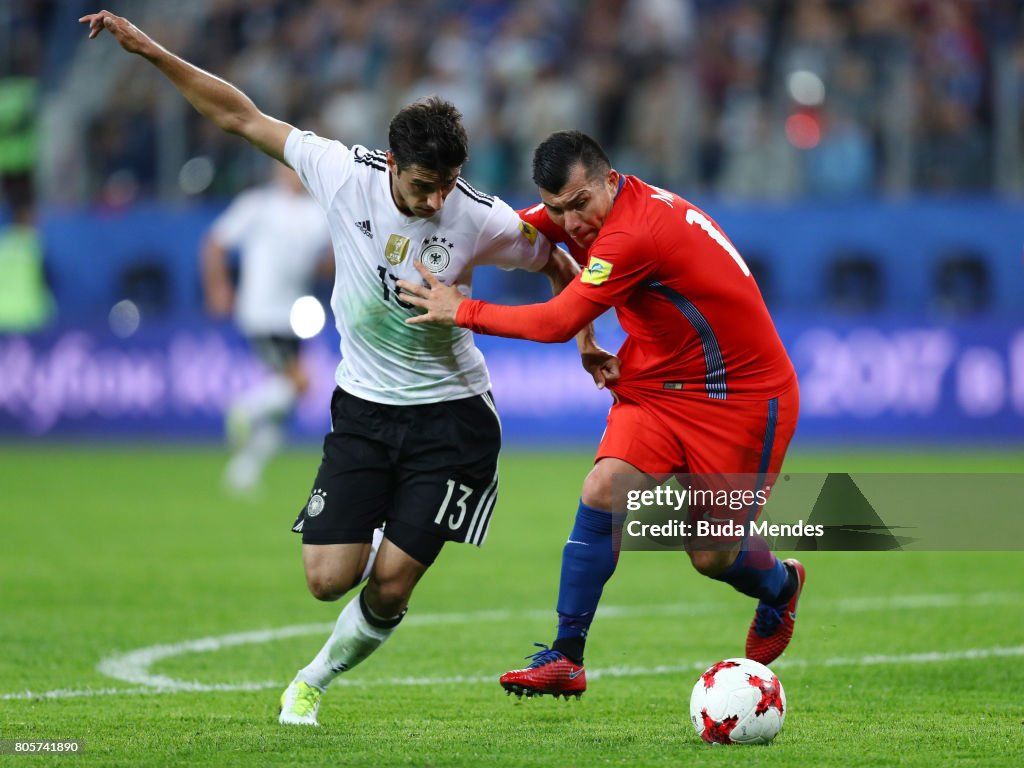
{"type": "Point", "coordinates": [276, 352]}
{"type": "Point", "coordinates": [429, 472]}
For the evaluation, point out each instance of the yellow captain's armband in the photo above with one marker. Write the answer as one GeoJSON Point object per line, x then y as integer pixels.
{"type": "Point", "coordinates": [529, 231]}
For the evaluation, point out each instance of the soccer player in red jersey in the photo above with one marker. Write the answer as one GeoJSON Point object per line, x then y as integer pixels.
{"type": "Point", "coordinates": [705, 385]}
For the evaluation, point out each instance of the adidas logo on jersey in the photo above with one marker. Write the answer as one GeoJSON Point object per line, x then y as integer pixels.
{"type": "Point", "coordinates": [364, 227]}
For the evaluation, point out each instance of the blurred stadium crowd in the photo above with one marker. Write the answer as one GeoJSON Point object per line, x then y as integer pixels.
{"type": "Point", "coordinates": [866, 157]}
{"type": "Point", "coordinates": [754, 99]}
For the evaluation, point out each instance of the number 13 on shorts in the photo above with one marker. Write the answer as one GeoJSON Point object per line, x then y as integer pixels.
{"type": "Point", "coordinates": [456, 516]}
{"type": "Point", "coordinates": [465, 511]}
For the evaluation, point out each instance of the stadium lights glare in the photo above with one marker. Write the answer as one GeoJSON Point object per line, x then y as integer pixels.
{"type": "Point", "coordinates": [196, 175]}
{"type": "Point", "coordinates": [806, 88]}
{"type": "Point", "coordinates": [803, 130]}
{"type": "Point", "coordinates": [124, 318]}
{"type": "Point", "coordinates": [307, 317]}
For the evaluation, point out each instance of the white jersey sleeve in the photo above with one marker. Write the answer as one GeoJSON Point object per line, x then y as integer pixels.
{"type": "Point", "coordinates": [508, 242]}
{"type": "Point", "coordinates": [323, 165]}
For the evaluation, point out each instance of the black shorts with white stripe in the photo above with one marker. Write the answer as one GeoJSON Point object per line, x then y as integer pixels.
{"type": "Point", "coordinates": [433, 468]}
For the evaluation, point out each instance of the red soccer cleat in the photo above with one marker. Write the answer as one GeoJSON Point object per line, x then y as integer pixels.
{"type": "Point", "coordinates": [551, 672]}
{"type": "Point", "coordinates": [772, 627]}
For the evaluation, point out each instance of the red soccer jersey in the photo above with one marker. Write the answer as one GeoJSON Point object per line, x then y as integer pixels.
{"type": "Point", "coordinates": [694, 316]}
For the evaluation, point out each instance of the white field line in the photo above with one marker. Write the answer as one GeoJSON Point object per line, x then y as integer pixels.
{"type": "Point", "coordinates": [970, 654]}
{"type": "Point", "coordinates": [134, 667]}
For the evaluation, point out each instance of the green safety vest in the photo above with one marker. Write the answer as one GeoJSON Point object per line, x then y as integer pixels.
{"type": "Point", "coordinates": [17, 124]}
{"type": "Point", "coordinates": [25, 300]}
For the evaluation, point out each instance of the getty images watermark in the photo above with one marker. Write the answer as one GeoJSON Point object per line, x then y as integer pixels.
{"type": "Point", "coordinates": [719, 513]}
{"type": "Point", "coordinates": [834, 511]}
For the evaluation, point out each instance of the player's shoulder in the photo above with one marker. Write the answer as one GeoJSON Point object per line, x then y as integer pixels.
{"type": "Point", "coordinates": [374, 160]}
{"type": "Point", "coordinates": [631, 212]}
{"type": "Point", "coordinates": [469, 208]}
{"type": "Point", "coordinates": [537, 216]}
{"type": "Point", "coordinates": [472, 198]}
{"type": "Point", "coordinates": [640, 194]}
{"type": "Point", "coordinates": [310, 143]}
{"type": "Point", "coordinates": [648, 208]}
{"type": "Point", "coordinates": [629, 230]}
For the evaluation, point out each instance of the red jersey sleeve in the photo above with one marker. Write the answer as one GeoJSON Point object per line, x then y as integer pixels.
{"type": "Point", "coordinates": [537, 217]}
{"type": "Point", "coordinates": [556, 320]}
{"type": "Point", "coordinates": [619, 261]}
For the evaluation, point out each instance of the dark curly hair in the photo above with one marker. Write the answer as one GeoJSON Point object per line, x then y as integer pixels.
{"type": "Point", "coordinates": [555, 157]}
{"type": "Point", "coordinates": [429, 133]}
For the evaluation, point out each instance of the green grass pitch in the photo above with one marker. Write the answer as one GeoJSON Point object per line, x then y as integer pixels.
{"type": "Point", "coordinates": [126, 557]}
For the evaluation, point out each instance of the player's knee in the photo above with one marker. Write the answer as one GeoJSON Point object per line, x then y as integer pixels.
{"type": "Point", "coordinates": [324, 591]}
{"type": "Point", "coordinates": [711, 562]}
{"type": "Point", "coordinates": [597, 489]}
{"type": "Point", "coordinates": [388, 596]}
{"type": "Point", "coordinates": [326, 587]}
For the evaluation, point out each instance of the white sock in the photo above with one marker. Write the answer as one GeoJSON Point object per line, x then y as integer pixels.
{"type": "Point", "coordinates": [246, 466]}
{"type": "Point", "coordinates": [266, 439]}
{"type": "Point", "coordinates": [352, 640]}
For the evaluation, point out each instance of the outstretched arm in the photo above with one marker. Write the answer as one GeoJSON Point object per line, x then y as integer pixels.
{"type": "Point", "coordinates": [556, 320]}
{"type": "Point", "coordinates": [601, 364]}
{"type": "Point", "coordinates": [214, 98]}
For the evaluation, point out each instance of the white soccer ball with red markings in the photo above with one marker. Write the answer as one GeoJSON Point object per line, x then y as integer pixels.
{"type": "Point", "coordinates": [738, 701]}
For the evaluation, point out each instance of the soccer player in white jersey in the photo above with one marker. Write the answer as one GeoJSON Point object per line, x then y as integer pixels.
{"type": "Point", "coordinates": [282, 240]}
{"type": "Point", "coordinates": [415, 437]}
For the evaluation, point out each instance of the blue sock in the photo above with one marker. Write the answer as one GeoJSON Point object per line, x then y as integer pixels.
{"type": "Point", "coordinates": [588, 561]}
{"type": "Point", "coordinates": [757, 572]}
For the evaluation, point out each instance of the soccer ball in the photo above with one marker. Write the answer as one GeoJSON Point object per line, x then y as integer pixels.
{"type": "Point", "coordinates": [738, 701]}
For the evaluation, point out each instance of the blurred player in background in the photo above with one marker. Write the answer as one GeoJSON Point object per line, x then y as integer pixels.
{"type": "Point", "coordinates": [705, 386]}
{"type": "Point", "coordinates": [415, 435]}
{"type": "Point", "coordinates": [26, 301]}
{"type": "Point", "coordinates": [282, 240]}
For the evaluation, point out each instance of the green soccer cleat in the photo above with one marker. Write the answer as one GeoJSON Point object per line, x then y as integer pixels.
{"type": "Point", "coordinates": [299, 704]}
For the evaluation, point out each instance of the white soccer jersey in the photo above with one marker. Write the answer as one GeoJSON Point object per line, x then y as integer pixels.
{"type": "Point", "coordinates": [375, 245]}
{"type": "Point", "coordinates": [281, 236]}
